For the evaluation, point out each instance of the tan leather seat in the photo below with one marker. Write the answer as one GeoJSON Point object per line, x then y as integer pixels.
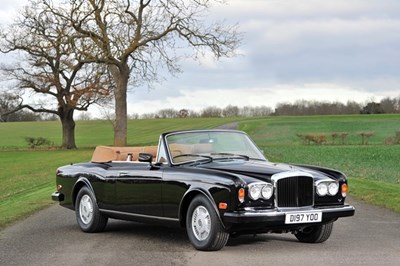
{"type": "Point", "coordinates": [104, 154]}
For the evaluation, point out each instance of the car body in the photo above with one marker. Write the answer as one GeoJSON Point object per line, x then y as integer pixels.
{"type": "Point", "coordinates": [216, 183]}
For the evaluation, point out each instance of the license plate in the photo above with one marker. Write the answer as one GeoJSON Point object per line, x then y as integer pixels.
{"type": "Point", "coordinates": [303, 217]}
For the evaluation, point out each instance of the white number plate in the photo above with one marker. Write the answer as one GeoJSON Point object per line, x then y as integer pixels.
{"type": "Point", "coordinates": [303, 217]}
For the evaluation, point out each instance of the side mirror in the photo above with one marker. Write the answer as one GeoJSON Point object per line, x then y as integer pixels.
{"type": "Point", "coordinates": [145, 157]}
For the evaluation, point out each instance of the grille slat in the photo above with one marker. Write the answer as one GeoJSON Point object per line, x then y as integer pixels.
{"type": "Point", "coordinates": [295, 191]}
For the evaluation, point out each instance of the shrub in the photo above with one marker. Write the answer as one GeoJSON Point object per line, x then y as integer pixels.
{"type": "Point", "coordinates": [365, 136]}
{"type": "Point", "coordinates": [341, 135]}
{"type": "Point", "coordinates": [35, 142]}
{"type": "Point", "coordinates": [393, 140]}
{"type": "Point", "coordinates": [316, 138]}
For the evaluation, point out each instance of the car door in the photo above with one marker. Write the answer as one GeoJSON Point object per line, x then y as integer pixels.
{"type": "Point", "coordinates": [138, 189]}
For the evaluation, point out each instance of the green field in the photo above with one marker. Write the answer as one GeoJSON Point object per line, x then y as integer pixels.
{"type": "Point", "coordinates": [27, 176]}
{"type": "Point", "coordinates": [376, 161]}
{"type": "Point", "coordinates": [99, 132]}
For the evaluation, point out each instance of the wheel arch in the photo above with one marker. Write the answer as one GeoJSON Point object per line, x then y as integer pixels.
{"type": "Point", "coordinates": [187, 199]}
{"type": "Point", "coordinates": [81, 182]}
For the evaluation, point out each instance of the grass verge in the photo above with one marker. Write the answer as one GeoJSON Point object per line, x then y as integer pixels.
{"type": "Point", "coordinates": [376, 192]}
{"type": "Point", "coordinates": [28, 179]}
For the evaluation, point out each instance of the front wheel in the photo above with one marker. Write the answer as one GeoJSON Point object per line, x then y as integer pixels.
{"type": "Point", "coordinates": [315, 234]}
{"type": "Point", "coordinates": [203, 225]}
{"type": "Point", "coordinates": [87, 212]}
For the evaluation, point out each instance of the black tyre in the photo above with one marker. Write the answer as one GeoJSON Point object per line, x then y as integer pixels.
{"type": "Point", "coordinates": [87, 212]}
{"type": "Point", "coordinates": [315, 234]}
{"type": "Point", "coordinates": [203, 225]}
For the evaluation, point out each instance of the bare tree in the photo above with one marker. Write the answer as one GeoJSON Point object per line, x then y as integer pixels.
{"type": "Point", "coordinates": [389, 105]}
{"type": "Point", "coordinates": [230, 111]}
{"type": "Point", "coordinates": [211, 111]}
{"type": "Point", "coordinates": [168, 113]}
{"type": "Point", "coordinates": [48, 67]}
{"type": "Point", "coordinates": [8, 103]}
{"type": "Point", "coordinates": [136, 38]}
{"type": "Point", "coordinates": [183, 113]}
{"type": "Point", "coordinates": [372, 108]}
{"type": "Point", "coordinates": [254, 111]}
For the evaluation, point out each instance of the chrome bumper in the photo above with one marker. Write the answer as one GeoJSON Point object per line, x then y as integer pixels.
{"type": "Point", "coordinates": [57, 196]}
{"type": "Point", "coordinates": [277, 216]}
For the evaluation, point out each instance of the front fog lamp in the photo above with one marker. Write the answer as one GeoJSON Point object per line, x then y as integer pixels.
{"type": "Point", "coordinates": [267, 191]}
{"type": "Point", "coordinates": [322, 189]}
{"type": "Point", "coordinates": [333, 189]}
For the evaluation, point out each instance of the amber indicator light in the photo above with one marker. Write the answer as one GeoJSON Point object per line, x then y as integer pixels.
{"type": "Point", "coordinates": [344, 188]}
{"type": "Point", "coordinates": [222, 205]}
{"type": "Point", "coordinates": [241, 194]}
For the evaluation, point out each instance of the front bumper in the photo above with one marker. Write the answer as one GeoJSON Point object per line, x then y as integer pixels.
{"type": "Point", "coordinates": [277, 216]}
{"type": "Point", "coordinates": [57, 196]}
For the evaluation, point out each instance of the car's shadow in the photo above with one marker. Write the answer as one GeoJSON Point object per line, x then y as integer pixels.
{"type": "Point", "coordinates": [176, 235]}
{"type": "Point", "coordinates": [259, 239]}
{"type": "Point", "coordinates": [163, 233]}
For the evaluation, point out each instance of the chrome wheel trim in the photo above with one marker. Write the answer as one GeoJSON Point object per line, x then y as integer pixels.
{"type": "Point", "coordinates": [201, 223]}
{"type": "Point", "coordinates": [86, 209]}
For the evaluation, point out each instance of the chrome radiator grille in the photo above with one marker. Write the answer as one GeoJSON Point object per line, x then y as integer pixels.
{"type": "Point", "coordinates": [295, 191]}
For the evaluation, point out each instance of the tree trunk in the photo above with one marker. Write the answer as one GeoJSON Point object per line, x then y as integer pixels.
{"type": "Point", "coordinates": [121, 77]}
{"type": "Point", "coordinates": [68, 128]}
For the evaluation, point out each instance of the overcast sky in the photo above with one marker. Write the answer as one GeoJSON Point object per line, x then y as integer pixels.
{"type": "Point", "coordinates": [292, 49]}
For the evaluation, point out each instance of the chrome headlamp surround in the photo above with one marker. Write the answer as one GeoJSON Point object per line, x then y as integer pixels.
{"type": "Point", "coordinates": [260, 190]}
{"type": "Point", "coordinates": [327, 187]}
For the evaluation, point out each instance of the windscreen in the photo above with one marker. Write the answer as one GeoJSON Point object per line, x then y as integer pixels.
{"type": "Point", "coordinates": [192, 145]}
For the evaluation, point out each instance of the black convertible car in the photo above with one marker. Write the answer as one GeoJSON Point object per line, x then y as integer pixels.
{"type": "Point", "coordinates": [216, 183]}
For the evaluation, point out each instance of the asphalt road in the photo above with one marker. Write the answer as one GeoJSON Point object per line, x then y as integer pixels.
{"type": "Point", "coordinates": [371, 237]}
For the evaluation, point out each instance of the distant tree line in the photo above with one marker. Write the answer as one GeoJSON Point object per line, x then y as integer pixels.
{"type": "Point", "coordinates": [211, 111]}
{"type": "Point", "coordinates": [301, 107]}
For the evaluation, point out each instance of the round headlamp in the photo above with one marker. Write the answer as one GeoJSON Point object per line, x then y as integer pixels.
{"type": "Point", "coordinates": [267, 191]}
{"type": "Point", "coordinates": [254, 192]}
{"type": "Point", "coordinates": [333, 188]}
{"type": "Point", "coordinates": [322, 189]}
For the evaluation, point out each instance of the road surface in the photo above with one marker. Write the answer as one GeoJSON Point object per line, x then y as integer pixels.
{"type": "Point", "coordinates": [51, 236]}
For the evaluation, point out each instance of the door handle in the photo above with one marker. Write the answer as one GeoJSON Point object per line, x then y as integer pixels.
{"type": "Point", "coordinates": [123, 173]}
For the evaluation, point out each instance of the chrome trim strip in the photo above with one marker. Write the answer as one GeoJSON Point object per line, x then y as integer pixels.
{"type": "Point", "coordinates": [287, 174]}
{"type": "Point", "coordinates": [140, 215]}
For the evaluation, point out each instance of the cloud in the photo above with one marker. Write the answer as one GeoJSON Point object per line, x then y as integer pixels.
{"type": "Point", "coordinates": [298, 9]}
{"type": "Point", "coordinates": [354, 42]}
{"type": "Point", "coordinates": [292, 49]}
{"type": "Point", "coordinates": [9, 9]}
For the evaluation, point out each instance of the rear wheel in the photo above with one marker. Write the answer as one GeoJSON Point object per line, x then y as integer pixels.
{"type": "Point", "coordinates": [87, 212]}
{"type": "Point", "coordinates": [203, 225]}
{"type": "Point", "coordinates": [315, 234]}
